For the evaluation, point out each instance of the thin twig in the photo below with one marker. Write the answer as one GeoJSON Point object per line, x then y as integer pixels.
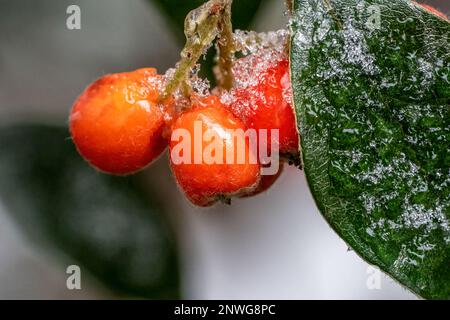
{"type": "Point", "coordinates": [226, 48]}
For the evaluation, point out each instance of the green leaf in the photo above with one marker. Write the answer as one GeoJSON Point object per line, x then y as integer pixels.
{"type": "Point", "coordinates": [108, 225]}
{"type": "Point", "coordinates": [372, 97]}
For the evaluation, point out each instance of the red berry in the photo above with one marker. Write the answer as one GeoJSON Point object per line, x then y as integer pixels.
{"type": "Point", "coordinates": [265, 103]}
{"type": "Point", "coordinates": [205, 181]}
{"type": "Point", "coordinates": [433, 10]}
{"type": "Point", "coordinates": [116, 123]}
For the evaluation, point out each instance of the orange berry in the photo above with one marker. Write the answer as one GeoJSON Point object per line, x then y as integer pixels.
{"type": "Point", "coordinates": [116, 123]}
{"type": "Point", "coordinates": [205, 174]}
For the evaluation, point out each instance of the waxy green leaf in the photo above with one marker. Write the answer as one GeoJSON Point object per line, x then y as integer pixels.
{"type": "Point", "coordinates": [371, 83]}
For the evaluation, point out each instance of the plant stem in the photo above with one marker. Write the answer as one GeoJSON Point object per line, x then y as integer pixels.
{"type": "Point", "coordinates": [226, 48]}
{"type": "Point", "coordinates": [290, 6]}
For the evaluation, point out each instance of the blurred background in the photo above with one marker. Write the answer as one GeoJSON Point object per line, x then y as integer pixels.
{"type": "Point", "coordinates": [139, 237]}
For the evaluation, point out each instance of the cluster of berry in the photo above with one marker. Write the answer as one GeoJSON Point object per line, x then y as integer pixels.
{"type": "Point", "coordinates": [120, 125]}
